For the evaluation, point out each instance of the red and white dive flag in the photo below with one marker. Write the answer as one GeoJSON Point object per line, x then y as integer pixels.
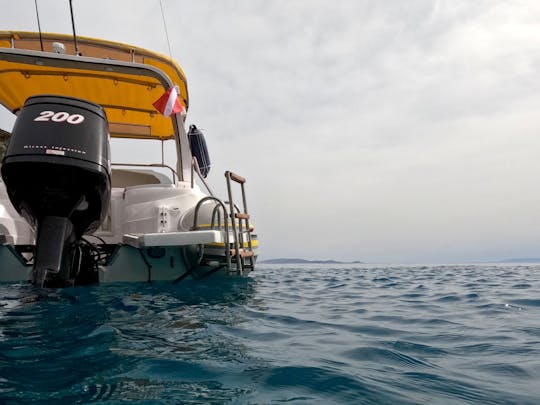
{"type": "Point", "coordinates": [169, 103]}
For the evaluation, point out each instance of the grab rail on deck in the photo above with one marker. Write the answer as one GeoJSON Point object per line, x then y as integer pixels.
{"type": "Point", "coordinates": [215, 212]}
{"type": "Point", "coordinates": [174, 173]}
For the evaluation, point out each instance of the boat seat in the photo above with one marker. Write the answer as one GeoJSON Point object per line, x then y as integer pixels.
{"type": "Point", "coordinates": [122, 178]}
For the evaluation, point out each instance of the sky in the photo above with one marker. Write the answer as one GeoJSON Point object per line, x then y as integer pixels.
{"type": "Point", "coordinates": [381, 131]}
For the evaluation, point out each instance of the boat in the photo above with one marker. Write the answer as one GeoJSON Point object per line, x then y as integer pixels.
{"type": "Point", "coordinates": [70, 214]}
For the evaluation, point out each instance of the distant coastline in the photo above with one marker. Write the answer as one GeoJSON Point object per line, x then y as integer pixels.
{"type": "Point", "coordinates": [522, 260]}
{"type": "Point", "coordinates": [304, 261]}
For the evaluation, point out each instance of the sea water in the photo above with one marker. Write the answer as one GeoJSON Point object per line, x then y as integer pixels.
{"type": "Point", "coordinates": [338, 334]}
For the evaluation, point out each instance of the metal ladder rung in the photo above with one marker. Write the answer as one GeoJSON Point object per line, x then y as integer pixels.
{"type": "Point", "coordinates": [237, 178]}
{"type": "Point", "coordinates": [243, 253]}
{"type": "Point", "coordinates": [241, 215]}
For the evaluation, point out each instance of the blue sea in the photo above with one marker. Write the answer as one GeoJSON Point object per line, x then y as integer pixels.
{"type": "Point", "coordinates": [302, 334]}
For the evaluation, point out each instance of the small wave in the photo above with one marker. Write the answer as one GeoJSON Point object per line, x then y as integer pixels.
{"type": "Point", "coordinates": [411, 347]}
{"type": "Point", "coordinates": [449, 298]}
{"type": "Point", "coordinates": [448, 389]}
{"type": "Point", "coordinates": [505, 370]}
{"type": "Point", "coordinates": [330, 384]}
{"type": "Point", "coordinates": [378, 355]}
{"type": "Point", "coordinates": [101, 330]}
{"type": "Point", "coordinates": [413, 295]}
{"type": "Point", "coordinates": [524, 302]}
{"type": "Point", "coordinates": [476, 348]}
{"type": "Point", "coordinates": [98, 392]}
{"type": "Point", "coordinates": [522, 285]}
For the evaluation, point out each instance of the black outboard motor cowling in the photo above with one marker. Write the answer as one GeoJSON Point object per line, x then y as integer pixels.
{"type": "Point", "coordinates": [57, 174]}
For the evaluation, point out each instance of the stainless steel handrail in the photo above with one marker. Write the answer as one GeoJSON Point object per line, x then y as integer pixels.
{"type": "Point", "coordinates": [219, 203]}
{"type": "Point", "coordinates": [174, 173]}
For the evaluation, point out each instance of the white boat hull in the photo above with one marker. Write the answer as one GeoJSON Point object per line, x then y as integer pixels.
{"type": "Point", "coordinates": [154, 249]}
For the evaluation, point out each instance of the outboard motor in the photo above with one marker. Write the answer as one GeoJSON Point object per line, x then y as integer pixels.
{"type": "Point", "coordinates": [57, 174]}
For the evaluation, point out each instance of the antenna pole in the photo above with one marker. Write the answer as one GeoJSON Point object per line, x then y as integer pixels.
{"type": "Point", "coordinates": [165, 27]}
{"type": "Point", "coordinates": [73, 25]}
{"type": "Point", "coordinates": [39, 26]}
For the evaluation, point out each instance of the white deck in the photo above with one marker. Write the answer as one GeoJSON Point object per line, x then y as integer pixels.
{"type": "Point", "coordinates": [172, 238]}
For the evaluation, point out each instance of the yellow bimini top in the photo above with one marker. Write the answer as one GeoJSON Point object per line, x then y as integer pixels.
{"type": "Point", "coordinates": [123, 79]}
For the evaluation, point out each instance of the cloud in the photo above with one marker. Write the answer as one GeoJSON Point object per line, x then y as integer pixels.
{"type": "Point", "coordinates": [383, 131]}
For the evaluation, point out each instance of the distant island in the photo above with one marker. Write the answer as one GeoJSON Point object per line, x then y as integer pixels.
{"type": "Point", "coordinates": [304, 261]}
{"type": "Point", "coordinates": [522, 260]}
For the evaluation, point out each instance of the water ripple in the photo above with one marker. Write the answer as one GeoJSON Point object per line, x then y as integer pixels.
{"type": "Point", "coordinates": [303, 334]}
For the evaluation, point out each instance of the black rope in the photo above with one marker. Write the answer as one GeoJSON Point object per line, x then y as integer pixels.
{"type": "Point", "coordinates": [165, 27]}
{"type": "Point", "coordinates": [184, 275]}
{"type": "Point", "coordinates": [147, 264]}
{"type": "Point", "coordinates": [97, 237]}
{"type": "Point", "coordinates": [73, 25]}
{"type": "Point", "coordinates": [212, 271]}
{"type": "Point", "coordinates": [39, 26]}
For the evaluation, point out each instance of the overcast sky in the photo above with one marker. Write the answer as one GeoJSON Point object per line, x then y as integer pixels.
{"type": "Point", "coordinates": [382, 131]}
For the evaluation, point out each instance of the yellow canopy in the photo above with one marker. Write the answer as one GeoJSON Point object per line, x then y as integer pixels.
{"type": "Point", "coordinates": [124, 80]}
